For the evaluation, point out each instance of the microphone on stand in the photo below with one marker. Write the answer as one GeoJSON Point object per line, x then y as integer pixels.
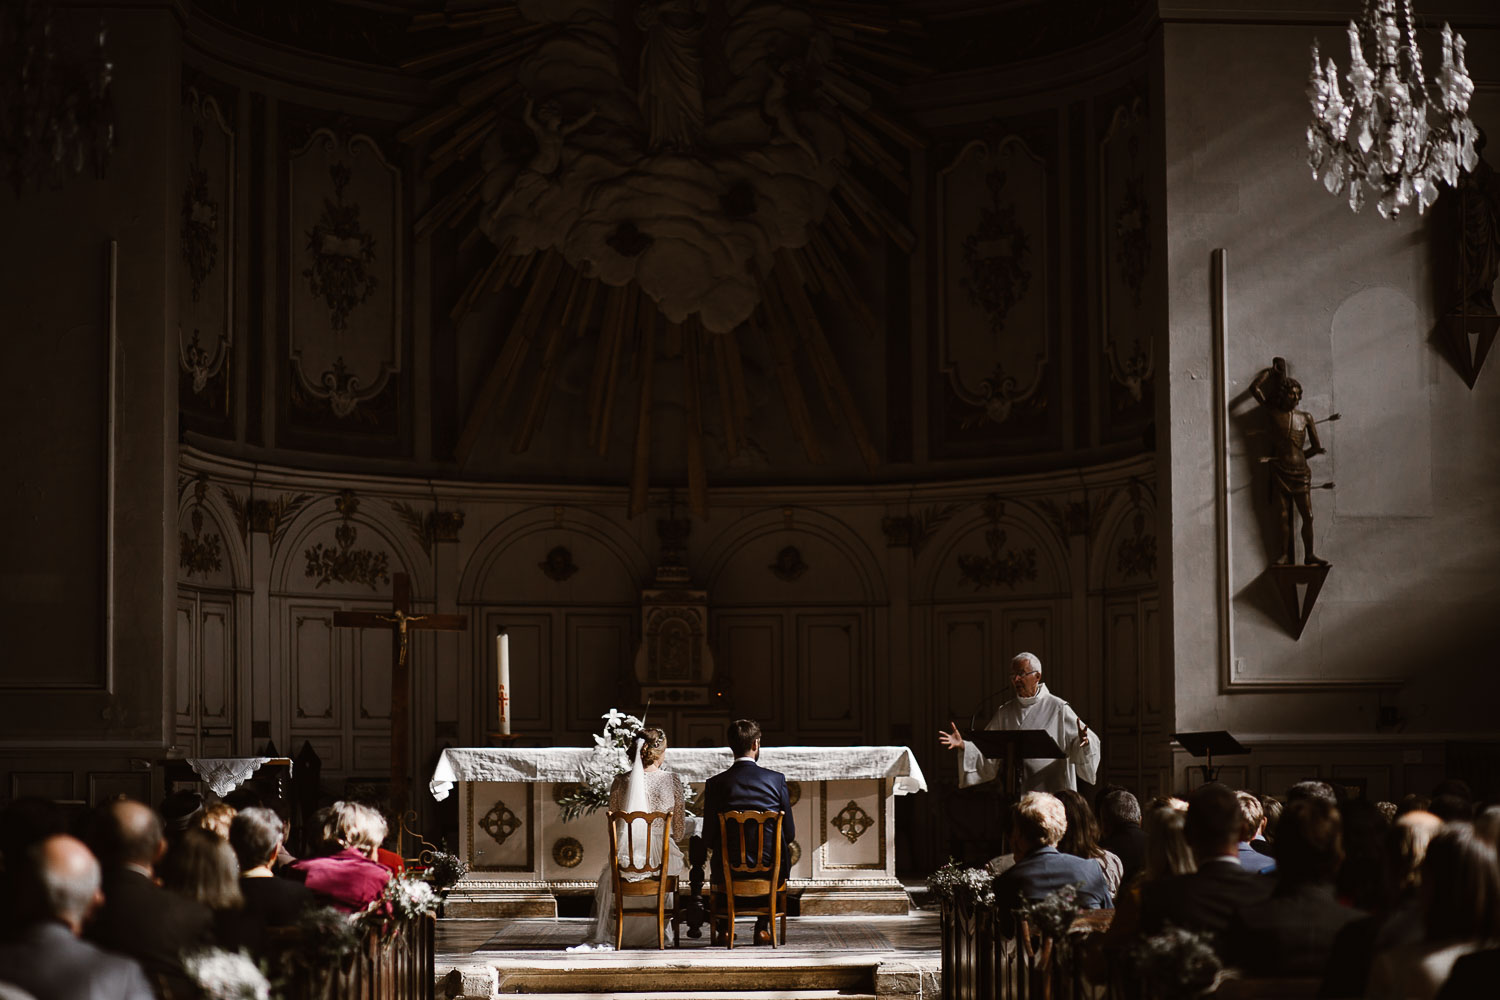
{"type": "Point", "coordinates": [987, 700]}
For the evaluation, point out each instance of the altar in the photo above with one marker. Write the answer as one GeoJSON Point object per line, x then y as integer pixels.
{"type": "Point", "coordinates": [522, 854]}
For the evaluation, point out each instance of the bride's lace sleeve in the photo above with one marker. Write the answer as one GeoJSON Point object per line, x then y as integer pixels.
{"type": "Point", "coordinates": [617, 792]}
{"type": "Point", "coordinates": [678, 822]}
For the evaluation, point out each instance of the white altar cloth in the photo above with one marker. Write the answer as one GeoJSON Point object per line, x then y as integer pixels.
{"type": "Point", "coordinates": [563, 764]}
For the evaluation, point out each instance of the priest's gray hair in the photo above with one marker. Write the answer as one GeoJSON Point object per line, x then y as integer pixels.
{"type": "Point", "coordinates": [1030, 659]}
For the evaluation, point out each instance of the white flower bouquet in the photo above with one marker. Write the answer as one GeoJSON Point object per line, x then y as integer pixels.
{"type": "Point", "coordinates": [227, 975]}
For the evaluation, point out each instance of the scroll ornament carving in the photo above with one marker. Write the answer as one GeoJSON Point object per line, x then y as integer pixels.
{"type": "Point", "coordinates": [998, 566]}
{"type": "Point", "coordinates": [1136, 555]}
{"type": "Point", "coordinates": [268, 517]}
{"type": "Point", "coordinates": [997, 257]}
{"type": "Point", "coordinates": [342, 252]}
{"type": "Point", "coordinates": [1000, 393]}
{"type": "Point", "coordinates": [430, 527]}
{"type": "Point", "coordinates": [1132, 221]}
{"type": "Point", "coordinates": [852, 821]}
{"type": "Point", "coordinates": [917, 529]}
{"type": "Point", "coordinates": [345, 563]}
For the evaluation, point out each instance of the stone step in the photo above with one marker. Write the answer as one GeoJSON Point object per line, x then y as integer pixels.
{"type": "Point", "coordinates": [756, 973]}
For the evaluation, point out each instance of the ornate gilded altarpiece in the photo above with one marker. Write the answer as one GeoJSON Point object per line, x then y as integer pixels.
{"type": "Point", "coordinates": [344, 288]}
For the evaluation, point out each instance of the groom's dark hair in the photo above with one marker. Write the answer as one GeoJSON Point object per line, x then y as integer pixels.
{"type": "Point", "coordinates": [742, 736]}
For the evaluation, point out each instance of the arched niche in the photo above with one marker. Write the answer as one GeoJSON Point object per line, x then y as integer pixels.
{"type": "Point", "coordinates": [533, 558]}
{"type": "Point", "coordinates": [1024, 559]}
{"type": "Point", "coordinates": [315, 531]}
{"type": "Point", "coordinates": [749, 564]}
{"type": "Point", "coordinates": [1124, 554]}
{"type": "Point", "coordinates": [210, 551]}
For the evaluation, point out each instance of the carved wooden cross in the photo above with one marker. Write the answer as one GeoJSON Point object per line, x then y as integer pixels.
{"type": "Point", "coordinates": [400, 621]}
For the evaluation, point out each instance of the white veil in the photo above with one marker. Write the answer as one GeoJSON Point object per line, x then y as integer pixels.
{"type": "Point", "coordinates": [636, 800]}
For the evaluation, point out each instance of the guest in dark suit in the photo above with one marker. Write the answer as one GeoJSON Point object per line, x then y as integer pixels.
{"type": "Point", "coordinates": [1292, 933]}
{"type": "Point", "coordinates": [746, 786]}
{"type": "Point", "coordinates": [349, 878]}
{"type": "Point", "coordinates": [139, 918]}
{"type": "Point", "coordinates": [1252, 828]}
{"type": "Point", "coordinates": [1121, 833]}
{"type": "Point", "coordinates": [1207, 899]}
{"type": "Point", "coordinates": [1474, 975]}
{"type": "Point", "coordinates": [256, 835]}
{"type": "Point", "coordinates": [48, 960]}
{"type": "Point", "coordinates": [1037, 824]}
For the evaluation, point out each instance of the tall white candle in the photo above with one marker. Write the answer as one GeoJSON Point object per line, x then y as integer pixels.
{"type": "Point", "coordinates": [502, 657]}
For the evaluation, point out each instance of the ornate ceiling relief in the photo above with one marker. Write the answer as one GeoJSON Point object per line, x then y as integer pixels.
{"type": "Point", "coordinates": [681, 177]}
{"type": "Point", "coordinates": [205, 334]}
{"type": "Point", "coordinates": [1126, 254]}
{"type": "Point", "coordinates": [995, 331]}
{"type": "Point", "coordinates": [345, 299]}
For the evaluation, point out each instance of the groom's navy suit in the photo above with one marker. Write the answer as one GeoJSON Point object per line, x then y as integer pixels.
{"type": "Point", "coordinates": [747, 786]}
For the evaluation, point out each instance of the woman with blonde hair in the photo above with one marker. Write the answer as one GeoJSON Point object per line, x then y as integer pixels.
{"type": "Point", "coordinates": [350, 878]}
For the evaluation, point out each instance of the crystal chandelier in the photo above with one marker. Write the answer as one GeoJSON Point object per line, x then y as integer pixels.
{"type": "Point", "coordinates": [1396, 136]}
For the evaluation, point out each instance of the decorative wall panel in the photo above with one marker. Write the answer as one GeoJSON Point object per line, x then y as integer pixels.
{"type": "Point", "coordinates": [600, 652]}
{"type": "Point", "coordinates": [831, 673]}
{"type": "Point", "coordinates": [996, 342]}
{"type": "Point", "coordinates": [749, 653]}
{"type": "Point", "coordinates": [207, 259]}
{"type": "Point", "coordinates": [1127, 308]}
{"type": "Point", "coordinates": [314, 669]}
{"type": "Point", "coordinates": [345, 279]}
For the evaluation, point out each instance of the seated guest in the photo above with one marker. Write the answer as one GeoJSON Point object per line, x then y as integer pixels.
{"type": "Point", "coordinates": [1120, 832]}
{"type": "Point", "coordinates": [1270, 807]}
{"type": "Point", "coordinates": [1361, 881]}
{"type": "Point", "coordinates": [1461, 914]}
{"type": "Point", "coordinates": [1038, 822]}
{"type": "Point", "coordinates": [1473, 975]}
{"type": "Point", "coordinates": [180, 811]}
{"type": "Point", "coordinates": [202, 867]}
{"type": "Point", "coordinates": [1081, 839]}
{"type": "Point", "coordinates": [1312, 790]}
{"type": "Point", "coordinates": [216, 817]}
{"type": "Point", "coordinates": [256, 835]}
{"type": "Point", "coordinates": [48, 960]}
{"type": "Point", "coordinates": [1207, 899]}
{"type": "Point", "coordinates": [350, 878]}
{"type": "Point", "coordinates": [1292, 933]}
{"type": "Point", "coordinates": [1398, 920]}
{"type": "Point", "coordinates": [1252, 828]}
{"type": "Point", "coordinates": [139, 918]}
{"type": "Point", "coordinates": [1167, 854]}
{"type": "Point", "coordinates": [746, 787]}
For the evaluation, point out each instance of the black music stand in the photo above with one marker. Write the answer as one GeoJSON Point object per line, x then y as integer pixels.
{"type": "Point", "coordinates": [1206, 745]}
{"type": "Point", "coordinates": [1015, 747]}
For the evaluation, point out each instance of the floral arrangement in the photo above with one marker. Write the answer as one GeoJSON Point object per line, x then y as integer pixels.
{"type": "Point", "coordinates": [1054, 913]}
{"type": "Point", "coordinates": [955, 882]}
{"type": "Point", "coordinates": [227, 975]}
{"type": "Point", "coordinates": [406, 897]}
{"type": "Point", "coordinates": [323, 938]}
{"type": "Point", "coordinates": [1177, 964]}
{"type": "Point", "coordinates": [611, 757]}
{"type": "Point", "coordinates": [444, 869]}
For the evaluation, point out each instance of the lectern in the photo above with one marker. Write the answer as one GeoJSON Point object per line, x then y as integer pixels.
{"type": "Point", "coordinates": [1015, 747]}
{"type": "Point", "coordinates": [1206, 745]}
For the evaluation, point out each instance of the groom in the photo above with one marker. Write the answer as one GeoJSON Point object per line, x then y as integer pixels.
{"type": "Point", "coordinates": [747, 786]}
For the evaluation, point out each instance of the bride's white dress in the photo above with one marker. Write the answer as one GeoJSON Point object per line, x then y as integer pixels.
{"type": "Point", "coordinates": [639, 791]}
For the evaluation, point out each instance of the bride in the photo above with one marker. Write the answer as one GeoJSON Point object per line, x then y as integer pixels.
{"type": "Point", "coordinates": [645, 788]}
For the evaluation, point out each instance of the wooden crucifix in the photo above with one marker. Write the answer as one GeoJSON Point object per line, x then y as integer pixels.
{"type": "Point", "coordinates": [400, 621]}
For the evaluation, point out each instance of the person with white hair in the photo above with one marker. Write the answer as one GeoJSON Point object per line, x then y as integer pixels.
{"type": "Point", "coordinates": [1033, 707]}
{"type": "Point", "coordinates": [49, 960]}
{"type": "Point", "coordinates": [1038, 822]}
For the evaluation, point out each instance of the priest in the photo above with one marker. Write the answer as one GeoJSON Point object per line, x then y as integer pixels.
{"type": "Point", "coordinates": [1033, 707]}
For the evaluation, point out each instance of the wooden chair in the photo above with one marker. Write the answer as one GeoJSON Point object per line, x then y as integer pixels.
{"type": "Point", "coordinates": [741, 863]}
{"type": "Point", "coordinates": [648, 879]}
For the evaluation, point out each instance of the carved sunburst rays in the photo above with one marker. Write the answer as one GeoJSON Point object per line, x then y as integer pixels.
{"type": "Point", "coordinates": [747, 138]}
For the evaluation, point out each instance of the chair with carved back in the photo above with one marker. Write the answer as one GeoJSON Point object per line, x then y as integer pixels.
{"type": "Point", "coordinates": [746, 873]}
{"type": "Point", "coordinates": [638, 867]}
